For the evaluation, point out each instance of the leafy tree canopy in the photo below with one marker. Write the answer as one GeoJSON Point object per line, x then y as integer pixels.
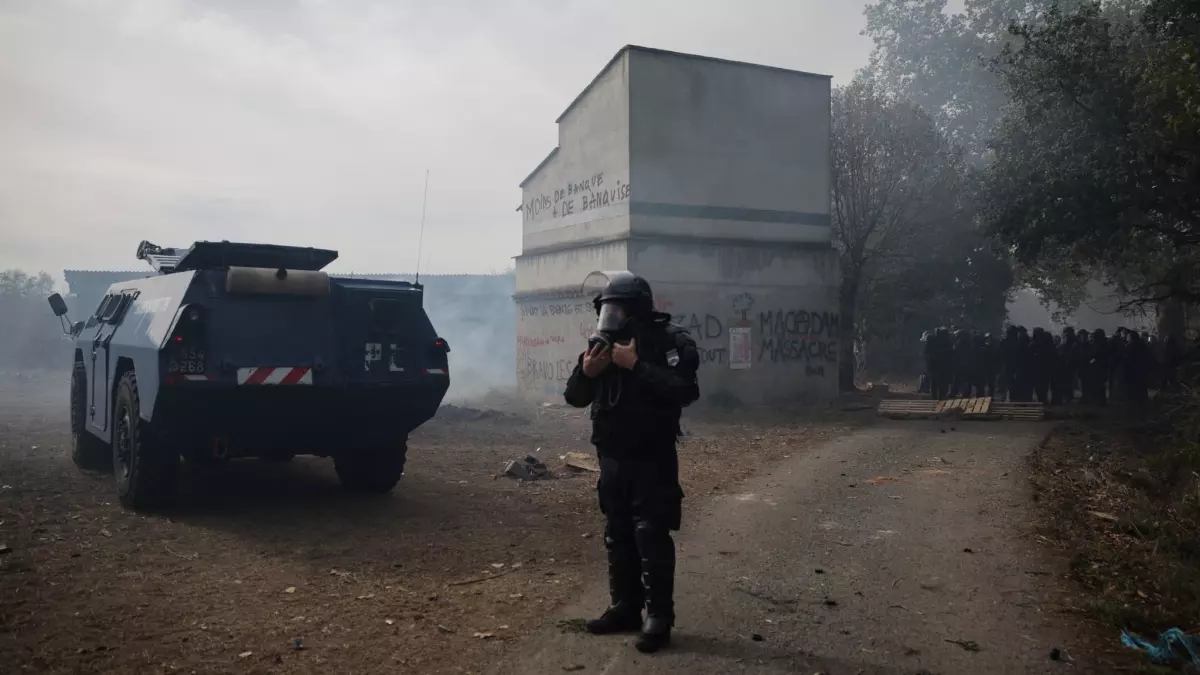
{"type": "Point", "coordinates": [1097, 157]}
{"type": "Point", "coordinates": [18, 284]}
{"type": "Point", "coordinates": [940, 60]}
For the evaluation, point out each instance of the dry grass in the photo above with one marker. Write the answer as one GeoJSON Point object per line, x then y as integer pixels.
{"type": "Point", "coordinates": [1117, 504]}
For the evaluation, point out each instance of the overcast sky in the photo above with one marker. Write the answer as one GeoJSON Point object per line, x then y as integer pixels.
{"type": "Point", "coordinates": [312, 122]}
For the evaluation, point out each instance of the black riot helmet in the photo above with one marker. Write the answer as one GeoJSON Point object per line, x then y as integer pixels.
{"type": "Point", "coordinates": [625, 299]}
{"type": "Point", "coordinates": [628, 289]}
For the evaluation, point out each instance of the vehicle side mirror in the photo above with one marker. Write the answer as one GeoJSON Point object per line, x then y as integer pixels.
{"type": "Point", "coordinates": [58, 305]}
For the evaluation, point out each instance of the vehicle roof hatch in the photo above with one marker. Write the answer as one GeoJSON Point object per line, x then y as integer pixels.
{"type": "Point", "coordinates": [205, 255]}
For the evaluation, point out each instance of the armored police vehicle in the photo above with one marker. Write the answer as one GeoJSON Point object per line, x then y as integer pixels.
{"type": "Point", "coordinates": [250, 350]}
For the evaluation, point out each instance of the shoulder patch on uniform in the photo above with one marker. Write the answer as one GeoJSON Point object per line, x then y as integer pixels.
{"type": "Point", "coordinates": [673, 358]}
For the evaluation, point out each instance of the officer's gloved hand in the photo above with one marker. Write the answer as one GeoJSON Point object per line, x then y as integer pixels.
{"type": "Point", "coordinates": [596, 359]}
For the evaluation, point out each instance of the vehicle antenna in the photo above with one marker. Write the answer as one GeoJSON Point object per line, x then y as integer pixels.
{"type": "Point", "coordinates": [421, 237]}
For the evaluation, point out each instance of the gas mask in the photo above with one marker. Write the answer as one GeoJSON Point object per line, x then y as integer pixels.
{"type": "Point", "coordinates": [613, 324]}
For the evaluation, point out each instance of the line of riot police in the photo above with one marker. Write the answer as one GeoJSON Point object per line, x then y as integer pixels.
{"type": "Point", "coordinates": [1049, 368]}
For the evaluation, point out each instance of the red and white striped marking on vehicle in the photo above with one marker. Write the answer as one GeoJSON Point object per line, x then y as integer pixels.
{"type": "Point", "coordinates": [435, 371]}
{"type": "Point", "coordinates": [274, 375]}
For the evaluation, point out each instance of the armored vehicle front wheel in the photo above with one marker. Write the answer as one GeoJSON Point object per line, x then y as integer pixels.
{"type": "Point", "coordinates": [372, 470]}
{"type": "Point", "coordinates": [146, 467]}
{"type": "Point", "coordinates": [87, 451]}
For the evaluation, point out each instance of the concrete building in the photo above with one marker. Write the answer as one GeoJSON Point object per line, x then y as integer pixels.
{"type": "Point", "coordinates": [711, 179]}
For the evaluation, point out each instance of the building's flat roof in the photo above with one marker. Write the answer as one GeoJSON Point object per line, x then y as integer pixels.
{"type": "Point", "coordinates": [664, 52]}
{"type": "Point", "coordinates": [537, 169]}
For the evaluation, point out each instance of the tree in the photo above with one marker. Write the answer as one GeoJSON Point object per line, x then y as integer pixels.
{"type": "Point", "coordinates": [30, 335]}
{"type": "Point", "coordinates": [960, 279]}
{"type": "Point", "coordinates": [896, 185]}
{"type": "Point", "coordinates": [940, 60]}
{"type": "Point", "coordinates": [1097, 158]}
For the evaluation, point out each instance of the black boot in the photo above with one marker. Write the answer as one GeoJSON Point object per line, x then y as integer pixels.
{"type": "Point", "coordinates": [656, 634]}
{"type": "Point", "coordinates": [624, 584]}
{"type": "Point", "coordinates": [658, 576]}
{"type": "Point", "coordinates": [619, 618]}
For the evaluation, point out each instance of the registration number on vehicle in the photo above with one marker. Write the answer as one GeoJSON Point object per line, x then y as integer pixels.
{"type": "Point", "coordinates": [186, 361]}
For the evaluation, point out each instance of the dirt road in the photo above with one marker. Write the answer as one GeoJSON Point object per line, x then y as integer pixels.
{"type": "Point", "coordinates": [900, 548]}
{"type": "Point", "coordinates": [273, 569]}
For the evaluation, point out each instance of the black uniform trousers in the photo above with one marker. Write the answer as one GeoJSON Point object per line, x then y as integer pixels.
{"type": "Point", "coordinates": [641, 501]}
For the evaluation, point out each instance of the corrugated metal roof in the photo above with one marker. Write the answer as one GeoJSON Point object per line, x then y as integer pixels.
{"type": "Point", "coordinates": [150, 273]}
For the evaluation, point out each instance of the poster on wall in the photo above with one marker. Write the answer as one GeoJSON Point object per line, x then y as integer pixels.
{"type": "Point", "coordinates": [740, 355]}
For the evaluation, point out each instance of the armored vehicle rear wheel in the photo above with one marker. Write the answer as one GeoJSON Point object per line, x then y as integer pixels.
{"type": "Point", "coordinates": [372, 470]}
{"type": "Point", "coordinates": [147, 469]}
{"type": "Point", "coordinates": [87, 451]}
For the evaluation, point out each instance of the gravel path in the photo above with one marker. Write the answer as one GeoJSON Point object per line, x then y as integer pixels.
{"type": "Point", "coordinates": [900, 548]}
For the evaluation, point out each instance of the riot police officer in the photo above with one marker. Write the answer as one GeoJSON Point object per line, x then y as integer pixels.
{"type": "Point", "coordinates": [637, 374]}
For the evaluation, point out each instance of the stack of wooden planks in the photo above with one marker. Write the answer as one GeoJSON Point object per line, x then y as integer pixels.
{"type": "Point", "coordinates": [907, 408]}
{"type": "Point", "coordinates": [1019, 411]}
{"type": "Point", "coordinates": [981, 408]}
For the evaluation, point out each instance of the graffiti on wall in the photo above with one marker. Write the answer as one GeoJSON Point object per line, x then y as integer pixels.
{"type": "Point", "coordinates": [557, 309]}
{"type": "Point", "coordinates": [551, 335]}
{"type": "Point", "coordinates": [586, 193]}
{"type": "Point", "coordinates": [799, 335]}
{"type": "Point", "coordinates": [810, 337]}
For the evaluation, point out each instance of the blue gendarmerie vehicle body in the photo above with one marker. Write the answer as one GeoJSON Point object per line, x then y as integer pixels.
{"type": "Point", "coordinates": [250, 350]}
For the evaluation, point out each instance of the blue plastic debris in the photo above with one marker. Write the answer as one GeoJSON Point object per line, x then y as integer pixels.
{"type": "Point", "coordinates": [1173, 645]}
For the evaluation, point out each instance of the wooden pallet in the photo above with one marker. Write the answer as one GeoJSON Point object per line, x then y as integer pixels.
{"type": "Point", "coordinates": [1019, 411]}
{"type": "Point", "coordinates": [968, 406]}
{"type": "Point", "coordinates": [908, 406]}
{"type": "Point", "coordinates": [909, 409]}
{"type": "Point", "coordinates": [982, 408]}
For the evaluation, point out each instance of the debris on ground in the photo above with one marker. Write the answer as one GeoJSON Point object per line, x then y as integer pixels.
{"type": "Point", "coordinates": [453, 413]}
{"type": "Point", "coordinates": [572, 625]}
{"type": "Point", "coordinates": [1173, 646]}
{"type": "Point", "coordinates": [1107, 503]}
{"type": "Point", "coordinates": [442, 532]}
{"type": "Point", "coordinates": [582, 461]}
{"type": "Point", "coordinates": [529, 468]}
{"type": "Point", "coordinates": [5, 549]}
{"type": "Point", "coordinates": [967, 645]}
{"type": "Point", "coordinates": [756, 637]}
